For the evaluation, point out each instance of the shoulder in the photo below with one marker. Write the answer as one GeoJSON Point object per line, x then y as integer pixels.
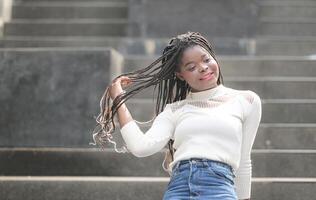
{"type": "Point", "coordinates": [250, 97]}
{"type": "Point", "coordinates": [165, 115]}
{"type": "Point", "coordinates": [172, 107]}
{"type": "Point", "coordinates": [249, 100]}
{"type": "Point", "coordinates": [247, 96]}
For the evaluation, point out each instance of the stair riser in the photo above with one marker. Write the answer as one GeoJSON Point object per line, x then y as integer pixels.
{"type": "Point", "coordinates": [265, 89]}
{"type": "Point", "coordinates": [286, 138]}
{"type": "Point", "coordinates": [35, 1]}
{"type": "Point", "coordinates": [93, 163]}
{"type": "Point", "coordinates": [66, 29]}
{"type": "Point", "coordinates": [58, 190]}
{"type": "Point", "coordinates": [27, 12]}
{"type": "Point", "coordinates": [287, 29]}
{"type": "Point", "coordinates": [135, 47]}
{"type": "Point", "coordinates": [271, 112]}
{"type": "Point", "coordinates": [295, 48]}
{"type": "Point", "coordinates": [288, 11]}
{"type": "Point", "coordinates": [246, 67]}
{"type": "Point", "coordinates": [266, 138]}
{"type": "Point", "coordinates": [131, 47]}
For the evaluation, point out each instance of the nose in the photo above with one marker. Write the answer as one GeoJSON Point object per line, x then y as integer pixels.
{"type": "Point", "coordinates": [203, 68]}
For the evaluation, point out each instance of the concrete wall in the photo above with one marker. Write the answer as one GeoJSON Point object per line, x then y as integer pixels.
{"type": "Point", "coordinates": [214, 18]}
{"type": "Point", "coordinates": [49, 97]}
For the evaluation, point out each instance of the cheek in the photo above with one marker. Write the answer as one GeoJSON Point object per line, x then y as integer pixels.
{"type": "Point", "coordinates": [189, 76]}
{"type": "Point", "coordinates": [214, 64]}
{"type": "Point", "coordinates": [214, 67]}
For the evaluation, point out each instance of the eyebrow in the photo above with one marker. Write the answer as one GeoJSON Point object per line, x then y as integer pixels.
{"type": "Point", "coordinates": [193, 62]}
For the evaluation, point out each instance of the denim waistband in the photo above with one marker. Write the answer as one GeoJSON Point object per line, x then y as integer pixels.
{"type": "Point", "coordinates": [202, 161]}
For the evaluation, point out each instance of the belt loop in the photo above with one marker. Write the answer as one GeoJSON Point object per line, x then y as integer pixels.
{"type": "Point", "coordinates": [205, 162]}
{"type": "Point", "coordinates": [176, 165]}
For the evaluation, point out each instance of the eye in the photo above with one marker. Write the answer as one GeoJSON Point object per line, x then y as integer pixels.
{"type": "Point", "coordinates": [207, 60]}
{"type": "Point", "coordinates": [192, 68]}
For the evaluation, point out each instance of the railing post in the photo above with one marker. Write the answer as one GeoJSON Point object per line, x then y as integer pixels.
{"type": "Point", "coordinates": [5, 13]}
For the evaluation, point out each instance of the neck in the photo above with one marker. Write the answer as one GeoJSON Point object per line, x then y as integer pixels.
{"type": "Point", "coordinates": [206, 94]}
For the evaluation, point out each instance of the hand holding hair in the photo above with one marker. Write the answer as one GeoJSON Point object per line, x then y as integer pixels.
{"type": "Point", "coordinates": [116, 88]}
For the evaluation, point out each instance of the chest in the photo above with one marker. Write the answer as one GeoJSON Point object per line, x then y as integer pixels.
{"type": "Point", "coordinates": [198, 119]}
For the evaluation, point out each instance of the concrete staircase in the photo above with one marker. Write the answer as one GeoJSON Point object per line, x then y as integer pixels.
{"type": "Point", "coordinates": [68, 18]}
{"type": "Point", "coordinates": [53, 56]}
{"type": "Point", "coordinates": [286, 27]}
{"type": "Point", "coordinates": [287, 18]}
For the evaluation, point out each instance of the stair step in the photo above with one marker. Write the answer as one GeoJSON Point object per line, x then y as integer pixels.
{"type": "Point", "coordinates": [265, 66]}
{"type": "Point", "coordinates": [70, 11]}
{"type": "Point", "coordinates": [55, 127]}
{"type": "Point", "coordinates": [274, 111]}
{"type": "Point", "coordinates": [68, 21]}
{"type": "Point", "coordinates": [99, 188]}
{"type": "Point", "coordinates": [93, 162]}
{"type": "Point", "coordinates": [280, 88]}
{"type": "Point", "coordinates": [287, 3]}
{"type": "Point", "coordinates": [86, 27]}
{"type": "Point", "coordinates": [269, 136]}
{"type": "Point", "coordinates": [68, 1]}
{"type": "Point", "coordinates": [270, 26]}
{"type": "Point", "coordinates": [66, 41]}
{"type": "Point", "coordinates": [135, 46]}
{"type": "Point", "coordinates": [140, 179]}
{"type": "Point", "coordinates": [269, 46]}
{"type": "Point", "coordinates": [276, 69]}
{"type": "Point", "coordinates": [286, 9]}
{"type": "Point", "coordinates": [283, 45]}
{"type": "Point", "coordinates": [289, 20]}
{"type": "Point", "coordinates": [286, 136]}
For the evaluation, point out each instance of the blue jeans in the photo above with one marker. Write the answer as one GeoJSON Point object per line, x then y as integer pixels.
{"type": "Point", "coordinates": [201, 179]}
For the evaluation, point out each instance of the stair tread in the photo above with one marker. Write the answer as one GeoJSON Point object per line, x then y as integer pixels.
{"type": "Point", "coordinates": [290, 20]}
{"type": "Point", "coordinates": [67, 21]}
{"type": "Point", "coordinates": [71, 4]}
{"type": "Point", "coordinates": [304, 3]}
{"type": "Point", "coordinates": [111, 150]}
{"type": "Point", "coordinates": [141, 179]}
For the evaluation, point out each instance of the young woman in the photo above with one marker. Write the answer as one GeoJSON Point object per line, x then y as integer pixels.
{"type": "Point", "coordinates": [209, 128]}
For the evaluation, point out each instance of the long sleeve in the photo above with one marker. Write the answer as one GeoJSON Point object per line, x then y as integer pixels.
{"type": "Point", "coordinates": [142, 145]}
{"type": "Point", "coordinates": [251, 121]}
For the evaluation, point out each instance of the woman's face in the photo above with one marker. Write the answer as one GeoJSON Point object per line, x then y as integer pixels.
{"type": "Point", "coordinates": [198, 68]}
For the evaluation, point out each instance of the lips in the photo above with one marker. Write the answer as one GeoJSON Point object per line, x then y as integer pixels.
{"type": "Point", "coordinates": [207, 76]}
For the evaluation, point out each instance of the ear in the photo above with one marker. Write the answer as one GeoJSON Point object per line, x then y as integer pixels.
{"type": "Point", "coordinates": [178, 74]}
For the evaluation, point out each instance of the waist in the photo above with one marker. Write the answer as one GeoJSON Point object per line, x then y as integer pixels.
{"type": "Point", "coordinates": [201, 162]}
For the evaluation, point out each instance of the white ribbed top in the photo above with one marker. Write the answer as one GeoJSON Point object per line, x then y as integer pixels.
{"type": "Point", "coordinates": [218, 124]}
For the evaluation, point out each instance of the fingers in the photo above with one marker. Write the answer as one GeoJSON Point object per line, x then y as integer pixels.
{"type": "Point", "coordinates": [125, 81]}
{"type": "Point", "coordinates": [118, 84]}
{"type": "Point", "coordinates": [122, 81]}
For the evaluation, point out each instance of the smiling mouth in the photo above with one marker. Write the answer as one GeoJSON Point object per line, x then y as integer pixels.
{"type": "Point", "coordinates": [208, 76]}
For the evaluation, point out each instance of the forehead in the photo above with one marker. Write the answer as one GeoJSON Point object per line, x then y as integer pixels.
{"type": "Point", "coordinates": [193, 53]}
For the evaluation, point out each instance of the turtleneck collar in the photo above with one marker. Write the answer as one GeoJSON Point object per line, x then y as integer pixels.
{"type": "Point", "coordinates": [206, 94]}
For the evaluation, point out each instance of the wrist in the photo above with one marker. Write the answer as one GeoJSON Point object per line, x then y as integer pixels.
{"type": "Point", "coordinates": [117, 93]}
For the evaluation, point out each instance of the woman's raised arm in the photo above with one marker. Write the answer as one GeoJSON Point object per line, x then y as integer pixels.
{"type": "Point", "coordinates": [124, 116]}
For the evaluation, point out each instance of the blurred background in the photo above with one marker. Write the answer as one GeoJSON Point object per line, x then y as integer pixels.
{"type": "Point", "coordinates": [57, 57]}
